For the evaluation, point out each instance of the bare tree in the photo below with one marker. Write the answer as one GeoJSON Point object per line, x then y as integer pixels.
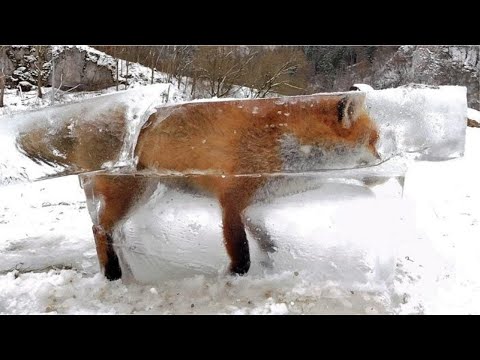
{"type": "Point", "coordinates": [40, 61]}
{"type": "Point", "coordinates": [2, 79]}
{"type": "Point", "coordinates": [116, 66]}
{"type": "Point", "coordinates": [218, 69]}
{"type": "Point", "coordinates": [154, 56]}
{"type": "Point", "coordinates": [281, 69]}
{"type": "Point", "coordinates": [52, 99]}
{"type": "Point", "coordinates": [2, 86]}
{"type": "Point", "coordinates": [116, 74]}
{"type": "Point", "coordinates": [182, 63]}
{"type": "Point", "coordinates": [221, 67]}
{"type": "Point", "coordinates": [127, 63]}
{"type": "Point", "coordinates": [194, 77]}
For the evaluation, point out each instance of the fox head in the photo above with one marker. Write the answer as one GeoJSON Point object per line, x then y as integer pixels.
{"type": "Point", "coordinates": [328, 132]}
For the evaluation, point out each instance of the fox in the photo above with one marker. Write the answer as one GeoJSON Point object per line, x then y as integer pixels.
{"type": "Point", "coordinates": [232, 144]}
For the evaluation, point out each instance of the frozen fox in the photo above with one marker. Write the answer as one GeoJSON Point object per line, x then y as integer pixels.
{"type": "Point", "coordinates": [232, 143]}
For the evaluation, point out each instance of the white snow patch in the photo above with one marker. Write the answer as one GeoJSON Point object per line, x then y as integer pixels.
{"type": "Point", "coordinates": [473, 114]}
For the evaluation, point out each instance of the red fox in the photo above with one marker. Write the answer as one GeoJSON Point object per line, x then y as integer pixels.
{"type": "Point", "coordinates": [227, 140]}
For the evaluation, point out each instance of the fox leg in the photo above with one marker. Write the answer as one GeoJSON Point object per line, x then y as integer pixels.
{"type": "Point", "coordinates": [235, 196]}
{"type": "Point", "coordinates": [117, 195]}
{"type": "Point", "coordinates": [235, 240]}
{"type": "Point", "coordinates": [261, 235]}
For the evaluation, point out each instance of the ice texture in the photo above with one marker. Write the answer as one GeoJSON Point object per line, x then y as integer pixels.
{"type": "Point", "coordinates": [311, 163]}
{"type": "Point", "coordinates": [313, 133]}
{"type": "Point", "coordinates": [73, 138]}
{"type": "Point", "coordinates": [426, 121]}
{"type": "Point", "coordinates": [176, 231]}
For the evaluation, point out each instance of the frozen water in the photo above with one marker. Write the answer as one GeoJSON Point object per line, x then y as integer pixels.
{"type": "Point", "coordinates": [177, 232]}
{"type": "Point", "coordinates": [67, 139]}
{"type": "Point", "coordinates": [209, 138]}
{"type": "Point", "coordinates": [429, 122]}
{"type": "Point", "coordinates": [101, 133]}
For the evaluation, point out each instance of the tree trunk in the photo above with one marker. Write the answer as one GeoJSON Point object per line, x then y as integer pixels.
{"type": "Point", "coordinates": [2, 88]}
{"type": "Point", "coordinates": [53, 82]}
{"type": "Point", "coordinates": [194, 82]}
{"type": "Point", "coordinates": [116, 80]}
{"type": "Point", "coordinates": [39, 84]}
{"type": "Point", "coordinates": [153, 72]}
{"type": "Point", "coordinates": [126, 76]}
{"type": "Point", "coordinates": [40, 60]}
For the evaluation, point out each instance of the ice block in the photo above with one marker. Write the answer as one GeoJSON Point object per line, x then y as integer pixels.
{"type": "Point", "coordinates": [297, 134]}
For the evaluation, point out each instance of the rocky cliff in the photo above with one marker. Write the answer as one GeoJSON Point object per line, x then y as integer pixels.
{"type": "Point", "coordinates": [81, 68]}
{"type": "Point", "coordinates": [432, 65]}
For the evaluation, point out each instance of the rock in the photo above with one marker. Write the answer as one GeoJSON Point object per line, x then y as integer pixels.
{"type": "Point", "coordinates": [21, 65]}
{"type": "Point", "coordinates": [473, 117]}
{"type": "Point", "coordinates": [473, 123]}
{"type": "Point", "coordinates": [430, 65]}
{"type": "Point", "coordinates": [5, 63]}
{"type": "Point", "coordinates": [76, 68]}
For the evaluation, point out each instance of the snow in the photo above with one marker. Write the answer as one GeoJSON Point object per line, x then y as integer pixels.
{"type": "Point", "coordinates": [473, 114]}
{"type": "Point", "coordinates": [436, 268]}
{"type": "Point", "coordinates": [362, 87]}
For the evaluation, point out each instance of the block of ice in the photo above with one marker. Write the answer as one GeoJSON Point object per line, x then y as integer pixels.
{"type": "Point", "coordinates": [88, 135]}
{"type": "Point", "coordinates": [251, 136]}
{"type": "Point", "coordinates": [427, 121]}
{"type": "Point", "coordinates": [146, 168]}
{"type": "Point", "coordinates": [175, 230]}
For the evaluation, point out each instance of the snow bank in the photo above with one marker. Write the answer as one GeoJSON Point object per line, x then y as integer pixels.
{"type": "Point", "coordinates": [473, 114]}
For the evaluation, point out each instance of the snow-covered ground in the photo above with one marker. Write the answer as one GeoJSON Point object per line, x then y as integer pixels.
{"type": "Point", "coordinates": [473, 114]}
{"type": "Point", "coordinates": [48, 262]}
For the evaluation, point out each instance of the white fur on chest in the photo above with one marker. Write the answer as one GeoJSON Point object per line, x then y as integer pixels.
{"type": "Point", "coordinates": [314, 157]}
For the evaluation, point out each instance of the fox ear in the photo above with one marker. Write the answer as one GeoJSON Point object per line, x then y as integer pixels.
{"type": "Point", "coordinates": [345, 111]}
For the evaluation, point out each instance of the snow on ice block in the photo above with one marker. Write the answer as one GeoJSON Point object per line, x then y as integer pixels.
{"type": "Point", "coordinates": [131, 129]}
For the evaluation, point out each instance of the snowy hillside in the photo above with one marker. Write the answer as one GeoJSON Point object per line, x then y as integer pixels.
{"type": "Point", "coordinates": [138, 75]}
{"type": "Point", "coordinates": [16, 100]}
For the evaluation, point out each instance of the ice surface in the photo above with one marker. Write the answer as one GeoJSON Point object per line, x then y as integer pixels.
{"type": "Point", "coordinates": [176, 231]}
{"type": "Point", "coordinates": [282, 147]}
{"type": "Point", "coordinates": [313, 133]}
{"type": "Point", "coordinates": [67, 139]}
{"type": "Point", "coordinates": [429, 122]}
